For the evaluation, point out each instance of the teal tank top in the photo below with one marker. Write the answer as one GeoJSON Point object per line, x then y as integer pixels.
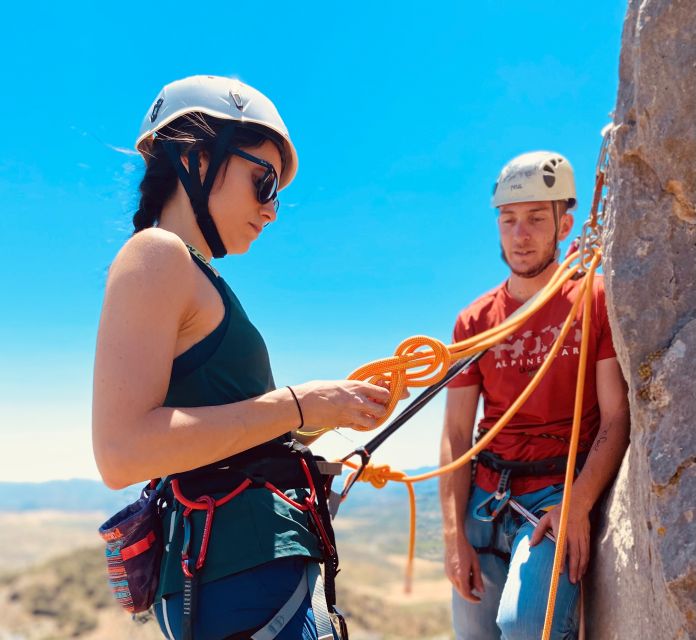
{"type": "Point", "coordinates": [229, 365]}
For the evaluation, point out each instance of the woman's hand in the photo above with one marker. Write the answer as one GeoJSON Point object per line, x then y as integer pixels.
{"type": "Point", "coordinates": [342, 403]}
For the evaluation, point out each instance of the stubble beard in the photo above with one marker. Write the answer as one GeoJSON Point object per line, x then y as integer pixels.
{"type": "Point", "coordinates": [540, 267]}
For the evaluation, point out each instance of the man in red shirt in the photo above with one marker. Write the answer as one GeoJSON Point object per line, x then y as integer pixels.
{"type": "Point", "coordinates": [500, 563]}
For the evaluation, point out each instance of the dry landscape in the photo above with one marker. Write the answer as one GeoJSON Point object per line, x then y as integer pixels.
{"type": "Point", "coordinates": [53, 585]}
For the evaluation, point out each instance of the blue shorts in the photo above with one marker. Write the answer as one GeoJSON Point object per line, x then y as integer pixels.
{"type": "Point", "coordinates": [243, 601]}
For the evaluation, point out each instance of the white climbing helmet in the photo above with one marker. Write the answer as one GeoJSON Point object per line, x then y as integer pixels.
{"type": "Point", "coordinates": [219, 97]}
{"type": "Point", "coordinates": [538, 175]}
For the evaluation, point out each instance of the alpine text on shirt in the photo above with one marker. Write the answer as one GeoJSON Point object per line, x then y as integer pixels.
{"type": "Point", "coordinates": [505, 370]}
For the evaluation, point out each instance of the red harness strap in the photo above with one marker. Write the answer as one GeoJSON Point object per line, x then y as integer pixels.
{"type": "Point", "coordinates": [209, 504]}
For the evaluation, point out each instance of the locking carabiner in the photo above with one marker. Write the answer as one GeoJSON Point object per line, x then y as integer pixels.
{"type": "Point", "coordinates": [483, 511]}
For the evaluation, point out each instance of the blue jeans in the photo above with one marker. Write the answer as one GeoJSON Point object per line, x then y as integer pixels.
{"type": "Point", "coordinates": [513, 606]}
{"type": "Point", "coordinates": [245, 600]}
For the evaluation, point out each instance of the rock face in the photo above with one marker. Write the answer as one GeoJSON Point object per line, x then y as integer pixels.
{"type": "Point", "coordinates": [643, 583]}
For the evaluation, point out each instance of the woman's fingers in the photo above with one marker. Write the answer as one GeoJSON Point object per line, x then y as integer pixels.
{"type": "Point", "coordinates": [365, 423]}
{"type": "Point", "coordinates": [377, 392]}
{"type": "Point", "coordinates": [373, 400]}
{"type": "Point", "coordinates": [386, 384]}
{"type": "Point", "coordinates": [372, 408]}
{"type": "Point", "coordinates": [346, 403]}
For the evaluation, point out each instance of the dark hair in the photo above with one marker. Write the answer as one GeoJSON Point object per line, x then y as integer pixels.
{"type": "Point", "coordinates": [192, 131]}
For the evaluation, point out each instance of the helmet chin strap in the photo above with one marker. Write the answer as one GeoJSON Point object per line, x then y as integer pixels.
{"type": "Point", "coordinates": [199, 191]}
{"type": "Point", "coordinates": [555, 255]}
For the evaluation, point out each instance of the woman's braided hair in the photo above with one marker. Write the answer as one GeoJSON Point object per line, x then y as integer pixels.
{"type": "Point", "coordinates": [194, 131]}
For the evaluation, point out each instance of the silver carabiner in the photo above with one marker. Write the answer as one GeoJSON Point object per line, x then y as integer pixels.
{"type": "Point", "coordinates": [501, 497]}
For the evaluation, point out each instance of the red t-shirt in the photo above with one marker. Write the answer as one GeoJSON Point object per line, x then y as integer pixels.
{"type": "Point", "coordinates": [506, 369]}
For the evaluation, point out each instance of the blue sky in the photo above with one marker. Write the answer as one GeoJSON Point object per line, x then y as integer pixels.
{"type": "Point", "coordinates": [402, 113]}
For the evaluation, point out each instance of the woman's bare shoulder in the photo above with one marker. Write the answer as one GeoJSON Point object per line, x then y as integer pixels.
{"type": "Point", "coordinates": [154, 252]}
{"type": "Point", "coordinates": [153, 260]}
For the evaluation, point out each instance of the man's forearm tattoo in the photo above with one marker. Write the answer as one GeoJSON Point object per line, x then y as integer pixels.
{"type": "Point", "coordinates": [600, 439]}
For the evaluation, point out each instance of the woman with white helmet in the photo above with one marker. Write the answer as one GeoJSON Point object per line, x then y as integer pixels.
{"type": "Point", "coordinates": [183, 388]}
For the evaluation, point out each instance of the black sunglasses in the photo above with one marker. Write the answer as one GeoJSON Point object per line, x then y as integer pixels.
{"type": "Point", "coordinates": [267, 184]}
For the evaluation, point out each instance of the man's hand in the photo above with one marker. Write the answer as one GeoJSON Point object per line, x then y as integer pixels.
{"type": "Point", "coordinates": [463, 569]}
{"type": "Point", "coordinates": [577, 537]}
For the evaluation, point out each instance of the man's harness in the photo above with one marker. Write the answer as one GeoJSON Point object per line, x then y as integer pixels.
{"type": "Point", "coordinates": [489, 509]}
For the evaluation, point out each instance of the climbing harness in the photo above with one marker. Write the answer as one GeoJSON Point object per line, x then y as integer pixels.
{"type": "Point", "coordinates": [493, 505]}
{"type": "Point", "coordinates": [134, 535]}
{"type": "Point", "coordinates": [311, 581]}
{"type": "Point", "coordinates": [275, 467]}
{"type": "Point", "coordinates": [514, 468]}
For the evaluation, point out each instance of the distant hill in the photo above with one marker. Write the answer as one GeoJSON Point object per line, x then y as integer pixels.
{"type": "Point", "coordinates": [91, 495]}
{"type": "Point", "coordinates": [63, 495]}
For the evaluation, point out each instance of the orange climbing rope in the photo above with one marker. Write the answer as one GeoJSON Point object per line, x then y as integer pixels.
{"type": "Point", "coordinates": [572, 449]}
{"type": "Point", "coordinates": [379, 475]}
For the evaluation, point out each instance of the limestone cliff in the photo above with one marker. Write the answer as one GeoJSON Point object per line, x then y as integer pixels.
{"type": "Point", "coordinates": [643, 583]}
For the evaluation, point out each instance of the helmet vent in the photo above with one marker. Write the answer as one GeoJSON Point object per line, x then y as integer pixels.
{"type": "Point", "coordinates": [238, 102]}
{"type": "Point", "coordinates": [549, 177]}
{"type": "Point", "coordinates": [155, 109]}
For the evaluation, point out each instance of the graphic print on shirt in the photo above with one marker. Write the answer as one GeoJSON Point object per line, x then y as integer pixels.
{"type": "Point", "coordinates": [528, 351]}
